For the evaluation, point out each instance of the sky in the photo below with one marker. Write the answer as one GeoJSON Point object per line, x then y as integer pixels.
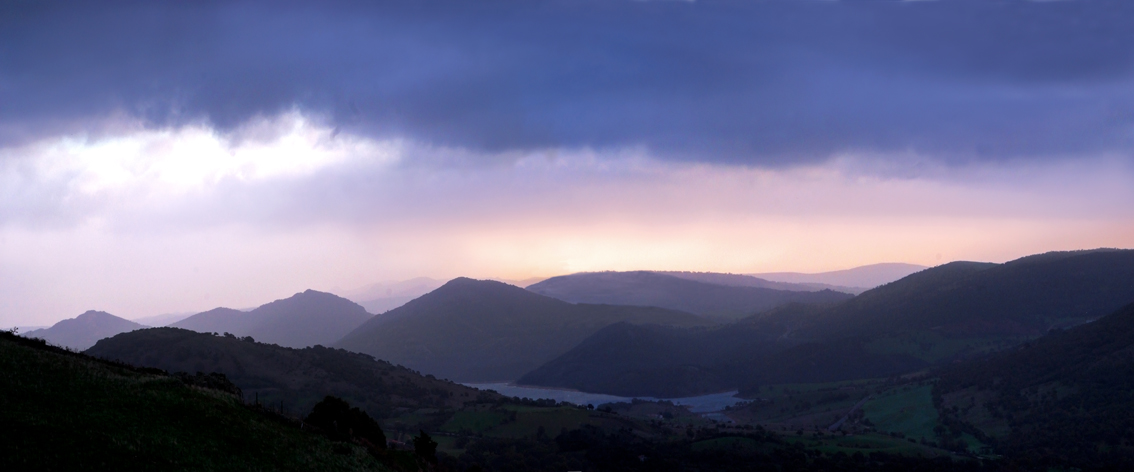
{"type": "Point", "coordinates": [162, 157]}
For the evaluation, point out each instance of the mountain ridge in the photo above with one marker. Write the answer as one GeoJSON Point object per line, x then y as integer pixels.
{"type": "Point", "coordinates": [83, 331]}
{"type": "Point", "coordinates": [305, 319]}
{"type": "Point", "coordinates": [646, 288]}
{"type": "Point", "coordinates": [474, 330]}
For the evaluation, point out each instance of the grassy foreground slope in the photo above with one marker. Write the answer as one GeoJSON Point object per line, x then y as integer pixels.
{"type": "Point", "coordinates": [66, 411]}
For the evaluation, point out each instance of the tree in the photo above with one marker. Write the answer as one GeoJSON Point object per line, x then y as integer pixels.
{"type": "Point", "coordinates": [425, 446]}
{"type": "Point", "coordinates": [335, 417]}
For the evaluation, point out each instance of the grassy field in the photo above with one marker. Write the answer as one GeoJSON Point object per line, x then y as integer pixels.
{"type": "Point", "coordinates": [61, 411]}
{"type": "Point", "coordinates": [906, 410]}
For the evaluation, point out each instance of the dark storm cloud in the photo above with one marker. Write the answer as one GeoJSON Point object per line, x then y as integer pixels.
{"type": "Point", "coordinates": [762, 82]}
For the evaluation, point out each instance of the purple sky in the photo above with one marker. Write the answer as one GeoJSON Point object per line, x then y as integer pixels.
{"type": "Point", "coordinates": [177, 157]}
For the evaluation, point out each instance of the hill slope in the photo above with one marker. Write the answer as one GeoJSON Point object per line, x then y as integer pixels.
{"type": "Point", "coordinates": [1024, 297]}
{"type": "Point", "coordinates": [305, 319]}
{"type": "Point", "coordinates": [1063, 399]}
{"type": "Point", "coordinates": [84, 330]}
{"type": "Point", "coordinates": [931, 317]}
{"type": "Point", "coordinates": [65, 411]}
{"type": "Point", "coordinates": [650, 360]}
{"type": "Point", "coordinates": [297, 377]}
{"type": "Point", "coordinates": [676, 292]}
{"type": "Point", "coordinates": [470, 330]}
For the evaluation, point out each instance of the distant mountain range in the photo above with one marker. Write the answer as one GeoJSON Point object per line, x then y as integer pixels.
{"type": "Point", "coordinates": [475, 331]}
{"type": "Point", "coordinates": [305, 319]}
{"type": "Point", "coordinates": [936, 315]}
{"type": "Point", "coordinates": [725, 296]}
{"type": "Point", "coordinates": [83, 331]}
{"type": "Point", "coordinates": [863, 277]}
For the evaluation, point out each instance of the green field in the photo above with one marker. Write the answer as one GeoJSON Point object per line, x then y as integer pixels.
{"type": "Point", "coordinates": [907, 410]}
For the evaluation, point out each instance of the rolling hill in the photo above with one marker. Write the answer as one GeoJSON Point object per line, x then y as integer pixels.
{"type": "Point", "coordinates": [299, 378]}
{"type": "Point", "coordinates": [305, 319]}
{"type": "Point", "coordinates": [66, 411]}
{"type": "Point", "coordinates": [1023, 297]}
{"type": "Point", "coordinates": [473, 331]}
{"type": "Point", "coordinates": [84, 330]}
{"type": "Point", "coordinates": [1062, 400]}
{"type": "Point", "coordinates": [945, 313]}
{"type": "Point", "coordinates": [682, 292]}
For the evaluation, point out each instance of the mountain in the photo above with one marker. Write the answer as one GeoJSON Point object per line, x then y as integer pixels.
{"type": "Point", "coordinates": [298, 378]}
{"type": "Point", "coordinates": [66, 411]}
{"type": "Point", "coordinates": [475, 330]}
{"type": "Point", "coordinates": [1061, 400]}
{"type": "Point", "coordinates": [935, 316]}
{"type": "Point", "coordinates": [84, 330]}
{"type": "Point", "coordinates": [863, 277]}
{"type": "Point", "coordinates": [305, 319]}
{"type": "Point", "coordinates": [675, 292]}
{"type": "Point", "coordinates": [1024, 297]}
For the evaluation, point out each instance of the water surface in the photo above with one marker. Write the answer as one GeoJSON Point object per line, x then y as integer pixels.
{"type": "Point", "coordinates": [698, 404]}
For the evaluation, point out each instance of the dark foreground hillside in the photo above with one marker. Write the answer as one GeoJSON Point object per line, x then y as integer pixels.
{"type": "Point", "coordinates": [293, 379]}
{"type": "Point", "coordinates": [64, 411]}
{"type": "Point", "coordinates": [1062, 400]}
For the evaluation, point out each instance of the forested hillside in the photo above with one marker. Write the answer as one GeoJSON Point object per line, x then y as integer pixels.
{"type": "Point", "coordinates": [1064, 399]}
{"type": "Point", "coordinates": [66, 411]}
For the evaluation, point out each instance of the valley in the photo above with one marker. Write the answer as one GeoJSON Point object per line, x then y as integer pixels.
{"type": "Point", "coordinates": [919, 369]}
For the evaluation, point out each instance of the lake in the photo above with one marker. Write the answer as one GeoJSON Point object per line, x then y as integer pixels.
{"type": "Point", "coordinates": [698, 404]}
